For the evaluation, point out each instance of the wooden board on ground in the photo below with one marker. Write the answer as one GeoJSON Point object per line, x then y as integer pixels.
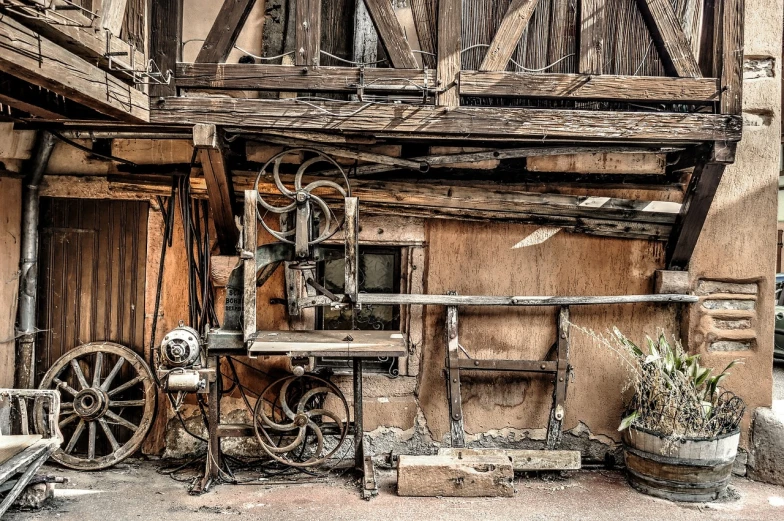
{"type": "Point", "coordinates": [362, 344]}
{"type": "Point", "coordinates": [523, 460]}
{"type": "Point", "coordinates": [471, 476]}
{"type": "Point", "coordinates": [10, 446]}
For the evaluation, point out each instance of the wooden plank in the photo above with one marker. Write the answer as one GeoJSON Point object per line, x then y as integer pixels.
{"type": "Point", "coordinates": [476, 122]}
{"type": "Point", "coordinates": [33, 58]}
{"type": "Point", "coordinates": [730, 60]}
{"type": "Point", "coordinates": [308, 32]}
{"type": "Point", "coordinates": [588, 86]}
{"type": "Point", "coordinates": [362, 344]}
{"type": "Point", "coordinates": [506, 39]}
{"type": "Point", "coordinates": [450, 20]}
{"type": "Point", "coordinates": [165, 37]}
{"type": "Point", "coordinates": [112, 15]}
{"type": "Point", "coordinates": [599, 163]}
{"type": "Point", "coordinates": [225, 30]}
{"type": "Point", "coordinates": [670, 40]}
{"type": "Point", "coordinates": [687, 228]}
{"type": "Point", "coordinates": [351, 232]}
{"type": "Point", "coordinates": [450, 476]}
{"type": "Point", "coordinates": [391, 34]}
{"type": "Point", "coordinates": [425, 20]}
{"type": "Point", "coordinates": [365, 36]}
{"type": "Point", "coordinates": [85, 42]}
{"type": "Point", "coordinates": [524, 460]}
{"type": "Point", "coordinates": [592, 31]}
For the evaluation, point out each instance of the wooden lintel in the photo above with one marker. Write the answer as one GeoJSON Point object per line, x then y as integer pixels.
{"type": "Point", "coordinates": [249, 76]}
{"type": "Point", "coordinates": [508, 35]}
{"type": "Point", "coordinates": [165, 36]}
{"type": "Point", "coordinates": [674, 48]}
{"type": "Point", "coordinates": [391, 34]}
{"type": "Point", "coordinates": [85, 42]}
{"type": "Point", "coordinates": [220, 191]}
{"type": "Point", "coordinates": [589, 87]}
{"type": "Point", "coordinates": [225, 30]}
{"type": "Point", "coordinates": [669, 281]}
{"type": "Point", "coordinates": [450, 21]}
{"type": "Point", "coordinates": [694, 210]}
{"type": "Point", "coordinates": [471, 122]}
{"type": "Point", "coordinates": [112, 15]}
{"type": "Point", "coordinates": [27, 55]}
{"type": "Point", "coordinates": [308, 32]}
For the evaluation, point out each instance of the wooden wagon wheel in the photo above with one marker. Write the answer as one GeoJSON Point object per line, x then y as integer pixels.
{"type": "Point", "coordinates": [99, 383]}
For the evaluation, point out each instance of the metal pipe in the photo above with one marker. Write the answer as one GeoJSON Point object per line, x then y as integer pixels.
{"type": "Point", "coordinates": [28, 264]}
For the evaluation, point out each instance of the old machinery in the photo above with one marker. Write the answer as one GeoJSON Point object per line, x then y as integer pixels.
{"type": "Point", "coordinates": [108, 400]}
{"type": "Point", "coordinates": [292, 416]}
{"type": "Point", "coordinates": [180, 347]}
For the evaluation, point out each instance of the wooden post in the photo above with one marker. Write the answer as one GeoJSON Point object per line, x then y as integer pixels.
{"type": "Point", "coordinates": [308, 32]}
{"type": "Point", "coordinates": [728, 54]}
{"type": "Point", "coordinates": [249, 245]}
{"type": "Point", "coordinates": [351, 232]}
{"type": "Point", "coordinates": [165, 37]}
{"type": "Point", "coordinates": [508, 35]}
{"type": "Point", "coordinates": [453, 374]}
{"type": "Point", "coordinates": [555, 427]}
{"type": "Point", "coordinates": [225, 30]}
{"type": "Point", "coordinates": [592, 30]}
{"type": "Point", "coordinates": [450, 19]}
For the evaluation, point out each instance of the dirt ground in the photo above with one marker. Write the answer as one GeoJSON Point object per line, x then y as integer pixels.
{"type": "Point", "coordinates": [135, 490]}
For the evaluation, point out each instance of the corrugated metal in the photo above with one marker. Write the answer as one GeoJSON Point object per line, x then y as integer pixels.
{"type": "Point", "coordinates": [92, 275]}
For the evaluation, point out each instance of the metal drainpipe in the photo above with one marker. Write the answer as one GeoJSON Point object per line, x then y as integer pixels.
{"type": "Point", "coordinates": [28, 265]}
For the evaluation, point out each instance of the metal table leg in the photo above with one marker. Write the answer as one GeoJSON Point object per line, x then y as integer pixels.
{"type": "Point", "coordinates": [362, 458]}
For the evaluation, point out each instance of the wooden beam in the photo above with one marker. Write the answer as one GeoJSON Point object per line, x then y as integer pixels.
{"type": "Point", "coordinates": [670, 40]}
{"type": "Point", "coordinates": [729, 46]}
{"type": "Point", "coordinates": [391, 34]}
{"type": "Point", "coordinates": [589, 86]}
{"type": "Point", "coordinates": [691, 218]}
{"type": "Point", "coordinates": [506, 39]}
{"type": "Point", "coordinates": [165, 37]}
{"type": "Point", "coordinates": [308, 32]}
{"type": "Point", "coordinates": [592, 31]}
{"type": "Point", "coordinates": [450, 21]}
{"type": "Point", "coordinates": [112, 15]}
{"type": "Point", "coordinates": [225, 30]}
{"type": "Point", "coordinates": [207, 139]}
{"type": "Point", "coordinates": [249, 76]}
{"type": "Point", "coordinates": [599, 163]}
{"type": "Point", "coordinates": [468, 122]}
{"type": "Point", "coordinates": [35, 59]}
{"type": "Point", "coordinates": [87, 43]}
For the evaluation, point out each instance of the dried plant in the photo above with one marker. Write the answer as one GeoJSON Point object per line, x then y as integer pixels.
{"type": "Point", "coordinates": [673, 395]}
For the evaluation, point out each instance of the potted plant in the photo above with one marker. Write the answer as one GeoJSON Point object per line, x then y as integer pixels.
{"type": "Point", "coordinates": [681, 427]}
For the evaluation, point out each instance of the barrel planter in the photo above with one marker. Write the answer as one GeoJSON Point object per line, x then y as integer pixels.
{"type": "Point", "coordinates": [691, 469]}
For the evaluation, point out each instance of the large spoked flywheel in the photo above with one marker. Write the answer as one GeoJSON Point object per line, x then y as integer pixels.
{"type": "Point", "coordinates": [301, 421]}
{"type": "Point", "coordinates": [108, 400]}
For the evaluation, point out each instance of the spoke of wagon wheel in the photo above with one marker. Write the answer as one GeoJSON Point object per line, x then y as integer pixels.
{"type": "Point", "coordinates": [64, 386]}
{"type": "Point", "coordinates": [128, 403]}
{"type": "Point", "coordinates": [91, 440]}
{"type": "Point", "coordinates": [109, 435]}
{"type": "Point", "coordinates": [66, 407]}
{"type": "Point", "coordinates": [126, 385]}
{"type": "Point", "coordinates": [79, 374]}
{"type": "Point", "coordinates": [68, 420]}
{"type": "Point", "coordinates": [78, 432]}
{"type": "Point", "coordinates": [114, 372]}
{"type": "Point", "coordinates": [97, 368]}
{"type": "Point", "coordinates": [121, 421]}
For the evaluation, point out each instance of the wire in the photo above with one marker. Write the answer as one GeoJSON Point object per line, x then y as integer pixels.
{"type": "Point", "coordinates": [90, 150]}
{"type": "Point", "coordinates": [360, 64]}
{"type": "Point", "coordinates": [525, 69]}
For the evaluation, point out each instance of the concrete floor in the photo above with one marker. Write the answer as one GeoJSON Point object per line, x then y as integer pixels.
{"type": "Point", "coordinates": [135, 490]}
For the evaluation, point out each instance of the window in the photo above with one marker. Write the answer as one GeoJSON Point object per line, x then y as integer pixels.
{"type": "Point", "coordinates": [379, 272]}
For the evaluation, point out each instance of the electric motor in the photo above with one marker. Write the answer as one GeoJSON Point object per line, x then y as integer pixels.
{"type": "Point", "coordinates": [180, 347]}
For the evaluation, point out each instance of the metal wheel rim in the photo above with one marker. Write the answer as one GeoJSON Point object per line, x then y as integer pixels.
{"type": "Point", "coordinates": [261, 432]}
{"type": "Point", "coordinates": [145, 381]}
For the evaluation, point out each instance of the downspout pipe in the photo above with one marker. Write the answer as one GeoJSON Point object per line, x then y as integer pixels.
{"type": "Point", "coordinates": [28, 264]}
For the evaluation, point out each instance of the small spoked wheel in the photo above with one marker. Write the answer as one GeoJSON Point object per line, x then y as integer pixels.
{"type": "Point", "coordinates": [294, 416]}
{"type": "Point", "coordinates": [108, 400]}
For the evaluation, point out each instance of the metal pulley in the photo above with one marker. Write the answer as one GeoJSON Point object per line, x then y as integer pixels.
{"type": "Point", "coordinates": [180, 347]}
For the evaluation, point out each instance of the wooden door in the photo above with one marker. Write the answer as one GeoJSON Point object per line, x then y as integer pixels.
{"type": "Point", "coordinates": [92, 256]}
